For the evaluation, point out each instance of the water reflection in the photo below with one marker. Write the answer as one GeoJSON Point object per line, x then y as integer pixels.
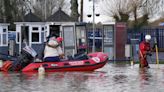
{"type": "Point", "coordinates": [120, 78]}
{"type": "Point", "coordinates": [111, 78]}
{"type": "Point", "coordinates": [145, 75]}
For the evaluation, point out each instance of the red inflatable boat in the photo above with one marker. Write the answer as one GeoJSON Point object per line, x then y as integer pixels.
{"type": "Point", "coordinates": [95, 61]}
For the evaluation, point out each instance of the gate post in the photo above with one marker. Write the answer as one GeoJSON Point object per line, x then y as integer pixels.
{"type": "Point", "coordinates": [121, 35]}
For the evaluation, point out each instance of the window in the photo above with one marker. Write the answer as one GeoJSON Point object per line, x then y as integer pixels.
{"type": "Point", "coordinates": [4, 30]}
{"type": "Point", "coordinates": [81, 35]}
{"type": "Point", "coordinates": [35, 34]}
{"type": "Point", "coordinates": [3, 37]}
{"type": "Point", "coordinates": [35, 37]}
{"type": "Point", "coordinates": [108, 34]}
{"type": "Point", "coordinates": [42, 28]}
{"type": "Point", "coordinates": [68, 33]}
{"type": "Point", "coordinates": [35, 28]}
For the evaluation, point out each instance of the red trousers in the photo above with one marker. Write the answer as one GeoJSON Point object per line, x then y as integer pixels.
{"type": "Point", "coordinates": [143, 62]}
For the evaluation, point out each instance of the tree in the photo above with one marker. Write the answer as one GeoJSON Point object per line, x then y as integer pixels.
{"type": "Point", "coordinates": [12, 10]}
{"type": "Point", "coordinates": [142, 11]}
{"type": "Point", "coordinates": [135, 6]}
{"type": "Point", "coordinates": [1, 9]}
{"type": "Point", "coordinates": [144, 8]}
{"type": "Point", "coordinates": [161, 8]}
{"type": "Point", "coordinates": [118, 9]}
{"type": "Point", "coordinates": [81, 11]}
{"type": "Point", "coordinates": [45, 8]}
{"type": "Point", "coordinates": [20, 8]}
{"type": "Point", "coordinates": [74, 10]}
{"type": "Point", "coordinates": [149, 8]}
{"type": "Point", "coordinates": [139, 10]}
{"type": "Point", "coordinates": [8, 11]}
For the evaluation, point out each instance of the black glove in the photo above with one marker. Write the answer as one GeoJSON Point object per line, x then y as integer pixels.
{"type": "Point", "coordinates": [149, 54]}
{"type": "Point", "coordinates": [154, 45]}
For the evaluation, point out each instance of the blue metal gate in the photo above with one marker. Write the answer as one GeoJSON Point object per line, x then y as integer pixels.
{"type": "Point", "coordinates": [156, 32]}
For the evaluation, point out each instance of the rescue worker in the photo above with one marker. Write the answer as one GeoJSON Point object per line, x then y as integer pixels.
{"type": "Point", "coordinates": [144, 50]}
{"type": "Point", "coordinates": [53, 51]}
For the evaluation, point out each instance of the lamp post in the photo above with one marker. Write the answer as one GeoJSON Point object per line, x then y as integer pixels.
{"type": "Point", "coordinates": [93, 48]}
{"type": "Point", "coordinates": [93, 25]}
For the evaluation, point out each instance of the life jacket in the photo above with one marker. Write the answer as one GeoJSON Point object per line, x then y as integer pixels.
{"type": "Point", "coordinates": [7, 66]}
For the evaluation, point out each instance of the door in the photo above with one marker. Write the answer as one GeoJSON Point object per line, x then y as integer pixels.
{"type": "Point", "coordinates": [24, 37]}
{"type": "Point", "coordinates": [108, 40]}
{"type": "Point", "coordinates": [55, 30]}
{"type": "Point", "coordinates": [69, 40]}
{"type": "Point", "coordinates": [81, 39]}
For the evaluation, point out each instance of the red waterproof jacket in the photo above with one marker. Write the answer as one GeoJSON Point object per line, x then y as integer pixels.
{"type": "Point", "coordinates": [144, 47]}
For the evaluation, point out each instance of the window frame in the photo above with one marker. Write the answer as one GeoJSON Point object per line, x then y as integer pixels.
{"type": "Point", "coordinates": [36, 31]}
{"type": "Point", "coordinates": [1, 36]}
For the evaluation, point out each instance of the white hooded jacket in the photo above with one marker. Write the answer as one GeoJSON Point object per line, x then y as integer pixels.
{"type": "Point", "coordinates": [52, 52]}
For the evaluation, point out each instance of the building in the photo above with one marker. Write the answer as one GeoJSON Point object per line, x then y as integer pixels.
{"type": "Point", "coordinates": [30, 32]}
{"type": "Point", "coordinates": [3, 38]}
{"type": "Point", "coordinates": [33, 32]}
{"type": "Point", "coordinates": [63, 25]}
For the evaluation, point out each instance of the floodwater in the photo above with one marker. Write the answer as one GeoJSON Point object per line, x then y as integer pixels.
{"type": "Point", "coordinates": [110, 78]}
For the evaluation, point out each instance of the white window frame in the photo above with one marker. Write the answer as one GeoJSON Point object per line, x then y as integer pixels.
{"type": "Point", "coordinates": [45, 33]}
{"type": "Point", "coordinates": [36, 31]}
{"type": "Point", "coordinates": [2, 33]}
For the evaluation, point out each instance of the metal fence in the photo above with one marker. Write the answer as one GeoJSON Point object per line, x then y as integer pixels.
{"type": "Point", "coordinates": [135, 36]}
{"type": "Point", "coordinates": [98, 38]}
{"type": "Point", "coordinates": [155, 32]}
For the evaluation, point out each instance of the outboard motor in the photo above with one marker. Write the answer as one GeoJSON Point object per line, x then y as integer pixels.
{"type": "Point", "coordinates": [27, 56]}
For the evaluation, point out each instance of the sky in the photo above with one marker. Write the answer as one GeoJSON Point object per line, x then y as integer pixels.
{"type": "Point", "coordinates": [88, 9]}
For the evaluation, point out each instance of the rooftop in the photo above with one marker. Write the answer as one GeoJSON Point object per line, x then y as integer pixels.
{"type": "Point", "coordinates": [60, 16]}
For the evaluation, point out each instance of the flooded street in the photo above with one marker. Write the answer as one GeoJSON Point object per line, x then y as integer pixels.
{"type": "Point", "coordinates": [111, 78]}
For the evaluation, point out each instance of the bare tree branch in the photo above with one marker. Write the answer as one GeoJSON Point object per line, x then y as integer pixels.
{"type": "Point", "coordinates": [119, 9]}
{"type": "Point", "coordinates": [51, 7]}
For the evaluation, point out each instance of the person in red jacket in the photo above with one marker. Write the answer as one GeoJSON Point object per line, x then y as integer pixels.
{"type": "Point", "coordinates": [144, 50]}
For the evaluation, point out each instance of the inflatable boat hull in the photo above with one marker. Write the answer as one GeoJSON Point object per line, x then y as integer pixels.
{"type": "Point", "coordinates": [96, 60]}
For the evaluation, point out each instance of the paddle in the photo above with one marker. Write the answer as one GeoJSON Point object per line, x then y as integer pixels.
{"type": "Point", "coordinates": [156, 50]}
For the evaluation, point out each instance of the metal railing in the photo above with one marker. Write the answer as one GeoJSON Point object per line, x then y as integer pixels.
{"type": "Point", "coordinates": [155, 32]}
